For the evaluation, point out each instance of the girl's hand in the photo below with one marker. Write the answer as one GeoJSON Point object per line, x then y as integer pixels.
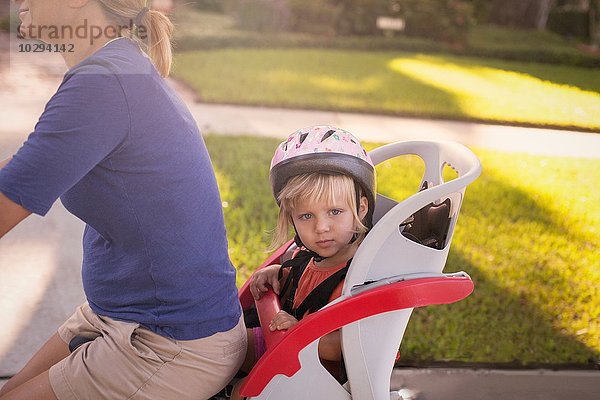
{"type": "Point", "coordinates": [263, 279]}
{"type": "Point", "coordinates": [282, 321]}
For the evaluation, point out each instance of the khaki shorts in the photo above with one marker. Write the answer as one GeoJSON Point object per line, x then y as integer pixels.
{"type": "Point", "coordinates": [126, 361]}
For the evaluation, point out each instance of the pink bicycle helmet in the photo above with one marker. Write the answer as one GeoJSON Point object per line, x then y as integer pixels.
{"type": "Point", "coordinates": [323, 149]}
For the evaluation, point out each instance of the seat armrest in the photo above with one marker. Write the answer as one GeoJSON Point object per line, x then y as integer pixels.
{"type": "Point", "coordinates": [282, 356]}
{"type": "Point", "coordinates": [267, 306]}
{"type": "Point", "coordinates": [244, 294]}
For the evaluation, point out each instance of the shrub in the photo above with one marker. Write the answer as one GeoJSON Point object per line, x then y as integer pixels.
{"type": "Point", "coordinates": [208, 5]}
{"type": "Point", "coordinates": [359, 17]}
{"type": "Point", "coordinates": [569, 23]}
{"type": "Point", "coordinates": [260, 15]}
{"type": "Point", "coordinates": [481, 10]}
{"type": "Point", "coordinates": [316, 16]}
{"type": "Point", "coordinates": [446, 20]}
{"type": "Point", "coordinates": [5, 24]}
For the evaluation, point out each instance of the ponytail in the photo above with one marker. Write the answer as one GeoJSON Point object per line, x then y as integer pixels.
{"type": "Point", "coordinates": [152, 30]}
{"type": "Point", "coordinates": [157, 44]}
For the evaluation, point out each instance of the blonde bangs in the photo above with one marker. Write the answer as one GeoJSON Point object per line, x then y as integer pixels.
{"type": "Point", "coordinates": [334, 190]}
{"type": "Point", "coordinates": [319, 188]}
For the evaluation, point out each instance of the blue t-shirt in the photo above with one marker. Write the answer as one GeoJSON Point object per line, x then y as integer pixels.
{"type": "Point", "coordinates": [124, 154]}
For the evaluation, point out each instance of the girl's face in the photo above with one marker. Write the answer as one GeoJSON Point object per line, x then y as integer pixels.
{"type": "Point", "coordinates": [327, 229]}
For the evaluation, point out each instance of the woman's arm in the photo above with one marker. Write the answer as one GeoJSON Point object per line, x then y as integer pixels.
{"type": "Point", "coordinates": [4, 162]}
{"type": "Point", "coordinates": [11, 213]}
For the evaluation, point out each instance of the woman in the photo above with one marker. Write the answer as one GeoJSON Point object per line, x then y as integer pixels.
{"type": "Point", "coordinates": [115, 143]}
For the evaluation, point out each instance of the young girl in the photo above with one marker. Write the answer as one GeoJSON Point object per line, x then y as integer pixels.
{"type": "Point", "coordinates": [324, 183]}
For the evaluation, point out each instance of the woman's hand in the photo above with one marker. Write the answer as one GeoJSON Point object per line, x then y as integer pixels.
{"type": "Point", "coordinates": [263, 279]}
{"type": "Point", "coordinates": [282, 321]}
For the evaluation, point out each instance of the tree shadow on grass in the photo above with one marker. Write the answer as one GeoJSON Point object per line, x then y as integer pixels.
{"type": "Point", "coordinates": [529, 303]}
{"type": "Point", "coordinates": [493, 325]}
{"type": "Point", "coordinates": [588, 79]}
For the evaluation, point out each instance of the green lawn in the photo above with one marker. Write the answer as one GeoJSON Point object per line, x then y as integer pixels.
{"type": "Point", "coordinates": [527, 235]}
{"type": "Point", "coordinates": [201, 30]}
{"type": "Point", "coordinates": [413, 84]}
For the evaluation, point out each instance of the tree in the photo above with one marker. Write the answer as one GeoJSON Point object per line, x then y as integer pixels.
{"type": "Point", "coordinates": [359, 17]}
{"type": "Point", "coordinates": [543, 10]}
{"type": "Point", "coordinates": [4, 10]}
{"type": "Point", "coordinates": [445, 20]}
{"type": "Point", "coordinates": [594, 24]}
{"type": "Point", "coordinates": [521, 13]}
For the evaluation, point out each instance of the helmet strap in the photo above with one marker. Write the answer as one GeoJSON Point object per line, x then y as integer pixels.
{"type": "Point", "coordinates": [357, 197]}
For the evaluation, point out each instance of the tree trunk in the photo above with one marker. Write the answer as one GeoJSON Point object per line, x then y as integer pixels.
{"type": "Point", "coordinates": [521, 13]}
{"type": "Point", "coordinates": [594, 13]}
{"type": "Point", "coordinates": [544, 7]}
{"type": "Point", "coordinates": [4, 10]}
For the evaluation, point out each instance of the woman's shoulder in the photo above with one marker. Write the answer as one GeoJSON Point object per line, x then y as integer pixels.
{"type": "Point", "coordinates": [120, 56]}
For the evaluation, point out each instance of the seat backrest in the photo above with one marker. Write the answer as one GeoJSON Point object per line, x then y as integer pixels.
{"type": "Point", "coordinates": [410, 238]}
{"type": "Point", "coordinates": [386, 252]}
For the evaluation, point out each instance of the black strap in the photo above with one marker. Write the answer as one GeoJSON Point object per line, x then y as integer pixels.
{"type": "Point", "coordinates": [316, 299]}
{"type": "Point", "coordinates": [296, 266]}
{"type": "Point", "coordinates": [320, 295]}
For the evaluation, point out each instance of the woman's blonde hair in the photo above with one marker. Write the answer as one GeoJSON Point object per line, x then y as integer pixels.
{"type": "Point", "coordinates": [315, 187]}
{"type": "Point", "coordinates": [157, 29]}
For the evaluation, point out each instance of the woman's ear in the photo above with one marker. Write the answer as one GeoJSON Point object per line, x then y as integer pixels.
{"type": "Point", "coordinates": [363, 207]}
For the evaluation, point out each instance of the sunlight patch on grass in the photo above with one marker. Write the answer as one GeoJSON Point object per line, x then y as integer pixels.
{"type": "Point", "coordinates": [484, 92]}
{"type": "Point", "coordinates": [347, 86]}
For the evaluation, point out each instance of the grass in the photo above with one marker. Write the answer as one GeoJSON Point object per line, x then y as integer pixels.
{"type": "Point", "coordinates": [527, 235]}
{"type": "Point", "coordinates": [300, 70]}
{"type": "Point", "coordinates": [413, 84]}
{"type": "Point", "coordinates": [496, 37]}
{"type": "Point", "coordinates": [527, 45]}
{"type": "Point", "coordinates": [198, 30]}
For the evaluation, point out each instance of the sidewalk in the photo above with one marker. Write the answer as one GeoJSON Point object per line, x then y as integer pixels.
{"type": "Point", "coordinates": [279, 123]}
{"type": "Point", "coordinates": [40, 260]}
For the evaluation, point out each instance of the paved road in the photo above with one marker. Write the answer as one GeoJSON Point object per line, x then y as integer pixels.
{"type": "Point", "coordinates": [40, 259]}
{"type": "Point", "coordinates": [485, 384]}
